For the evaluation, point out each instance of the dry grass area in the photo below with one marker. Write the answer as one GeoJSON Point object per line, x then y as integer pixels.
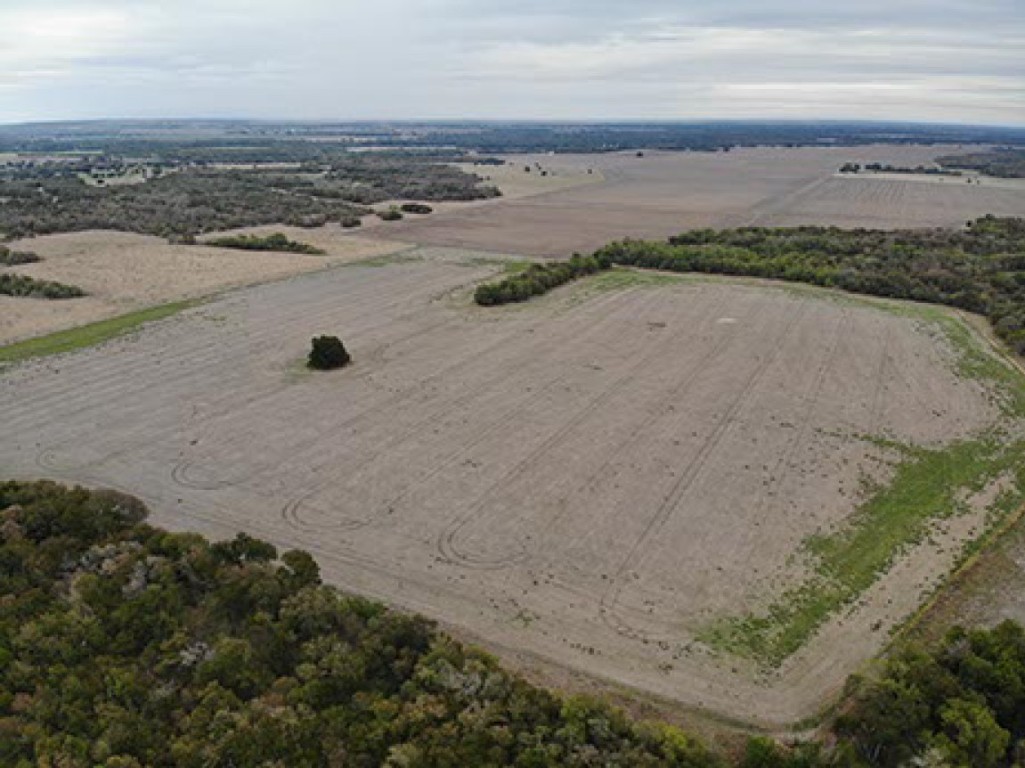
{"type": "Point", "coordinates": [664, 193]}
{"type": "Point", "coordinates": [548, 173]}
{"type": "Point", "coordinates": [593, 478]}
{"type": "Point", "coordinates": [123, 272]}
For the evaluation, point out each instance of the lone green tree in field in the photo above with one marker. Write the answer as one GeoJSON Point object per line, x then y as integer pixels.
{"type": "Point", "coordinates": [328, 353]}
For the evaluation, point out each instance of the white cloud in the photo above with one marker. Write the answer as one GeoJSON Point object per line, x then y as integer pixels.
{"type": "Point", "coordinates": [917, 59]}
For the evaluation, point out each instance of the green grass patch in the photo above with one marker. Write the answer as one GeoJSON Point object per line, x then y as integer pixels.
{"type": "Point", "coordinates": [88, 335]}
{"type": "Point", "coordinates": [928, 485]}
{"type": "Point", "coordinates": [516, 266]}
{"type": "Point", "coordinates": [618, 278]}
{"type": "Point", "coordinates": [976, 361]}
{"type": "Point", "coordinates": [509, 266]}
{"type": "Point", "coordinates": [402, 257]}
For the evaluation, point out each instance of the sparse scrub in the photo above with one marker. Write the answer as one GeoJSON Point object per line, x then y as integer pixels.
{"type": "Point", "coordinates": [392, 214]}
{"type": "Point", "coordinates": [29, 287]}
{"type": "Point", "coordinates": [1002, 162]}
{"type": "Point", "coordinates": [332, 186]}
{"type": "Point", "coordinates": [349, 222]}
{"type": "Point", "coordinates": [276, 242]}
{"type": "Point", "coordinates": [9, 258]}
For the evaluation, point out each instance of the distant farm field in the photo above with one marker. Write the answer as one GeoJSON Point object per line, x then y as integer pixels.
{"type": "Point", "coordinates": [725, 493]}
{"type": "Point", "coordinates": [123, 272]}
{"type": "Point", "coordinates": [663, 193]}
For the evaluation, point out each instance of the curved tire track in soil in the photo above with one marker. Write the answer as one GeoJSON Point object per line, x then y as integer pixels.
{"type": "Point", "coordinates": [447, 543]}
{"type": "Point", "coordinates": [290, 512]}
{"type": "Point", "coordinates": [609, 602]}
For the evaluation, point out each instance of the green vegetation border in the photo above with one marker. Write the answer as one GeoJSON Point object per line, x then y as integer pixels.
{"type": "Point", "coordinates": [89, 335]}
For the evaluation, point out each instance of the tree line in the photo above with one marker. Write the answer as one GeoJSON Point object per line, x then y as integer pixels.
{"type": "Point", "coordinates": [124, 645]}
{"type": "Point", "coordinates": [538, 279]}
{"type": "Point", "coordinates": [274, 242]}
{"type": "Point", "coordinates": [1002, 162]}
{"type": "Point", "coordinates": [980, 268]}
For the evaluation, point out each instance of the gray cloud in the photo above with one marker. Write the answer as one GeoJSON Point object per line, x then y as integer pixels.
{"type": "Point", "coordinates": [916, 60]}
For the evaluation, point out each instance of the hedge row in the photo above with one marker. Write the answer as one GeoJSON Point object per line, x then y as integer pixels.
{"type": "Point", "coordinates": [275, 242]}
{"type": "Point", "coordinates": [538, 279]}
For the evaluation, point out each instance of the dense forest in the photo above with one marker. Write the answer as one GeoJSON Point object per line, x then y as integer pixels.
{"type": "Point", "coordinates": [980, 268]}
{"type": "Point", "coordinates": [124, 645]}
{"type": "Point", "coordinates": [1006, 162]}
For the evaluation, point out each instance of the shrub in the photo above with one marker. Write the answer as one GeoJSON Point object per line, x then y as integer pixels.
{"type": "Point", "coordinates": [21, 285]}
{"type": "Point", "coordinates": [416, 208]}
{"type": "Point", "coordinates": [328, 353]}
{"type": "Point", "coordinates": [351, 221]}
{"type": "Point", "coordinates": [392, 214]}
{"type": "Point", "coordinates": [9, 258]}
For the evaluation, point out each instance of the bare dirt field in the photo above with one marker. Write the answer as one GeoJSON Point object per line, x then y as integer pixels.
{"type": "Point", "coordinates": [595, 477]}
{"type": "Point", "coordinates": [123, 272]}
{"type": "Point", "coordinates": [664, 193]}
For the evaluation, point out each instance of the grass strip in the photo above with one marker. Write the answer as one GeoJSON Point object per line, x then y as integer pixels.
{"type": "Point", "coordinates": [88, 335]}
{"type": "Point", "coordinates": [927, 487]}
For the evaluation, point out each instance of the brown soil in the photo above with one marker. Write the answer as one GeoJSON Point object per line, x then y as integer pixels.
{"type": "Point", "coordinates": [664, 193]}
{"type": "Point", "coordinates": [588, 479]}
{"type": "Point", "coordinates": [124, 272]}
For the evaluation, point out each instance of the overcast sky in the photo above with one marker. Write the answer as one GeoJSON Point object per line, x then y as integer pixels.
{"type": "Point", "coordinates": [943, 60]}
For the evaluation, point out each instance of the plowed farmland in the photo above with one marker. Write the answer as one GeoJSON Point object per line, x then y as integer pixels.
{"type": "Point", "coordinates": [664, 193]}
{"type": "Point", "coordinates": [623, 477]}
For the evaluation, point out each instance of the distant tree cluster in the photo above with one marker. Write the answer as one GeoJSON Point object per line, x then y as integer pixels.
{"type": "Point", "coordinates": [173, 206]}
{"type": "Point", "coordinates": [123, 645]}
{"type": "Point", "coordinates": [197, 199]}
{"type": "Point", "coordinates": [538, 279]}
{"type": "Point", "coordinates": [418, 208]}
{"type": "Point", "coordinates": [1004, 162]}
{"type": "Point", "coordinates": [30, 287]}
{"type": "Point", "coordinates": [980, 269]}
{"type": "Point", "coordinates": [928, 170]}
{"type": "Point", "coordinates": [9, 258]}
{"type": "Point", "coordinates": [274, 242]}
